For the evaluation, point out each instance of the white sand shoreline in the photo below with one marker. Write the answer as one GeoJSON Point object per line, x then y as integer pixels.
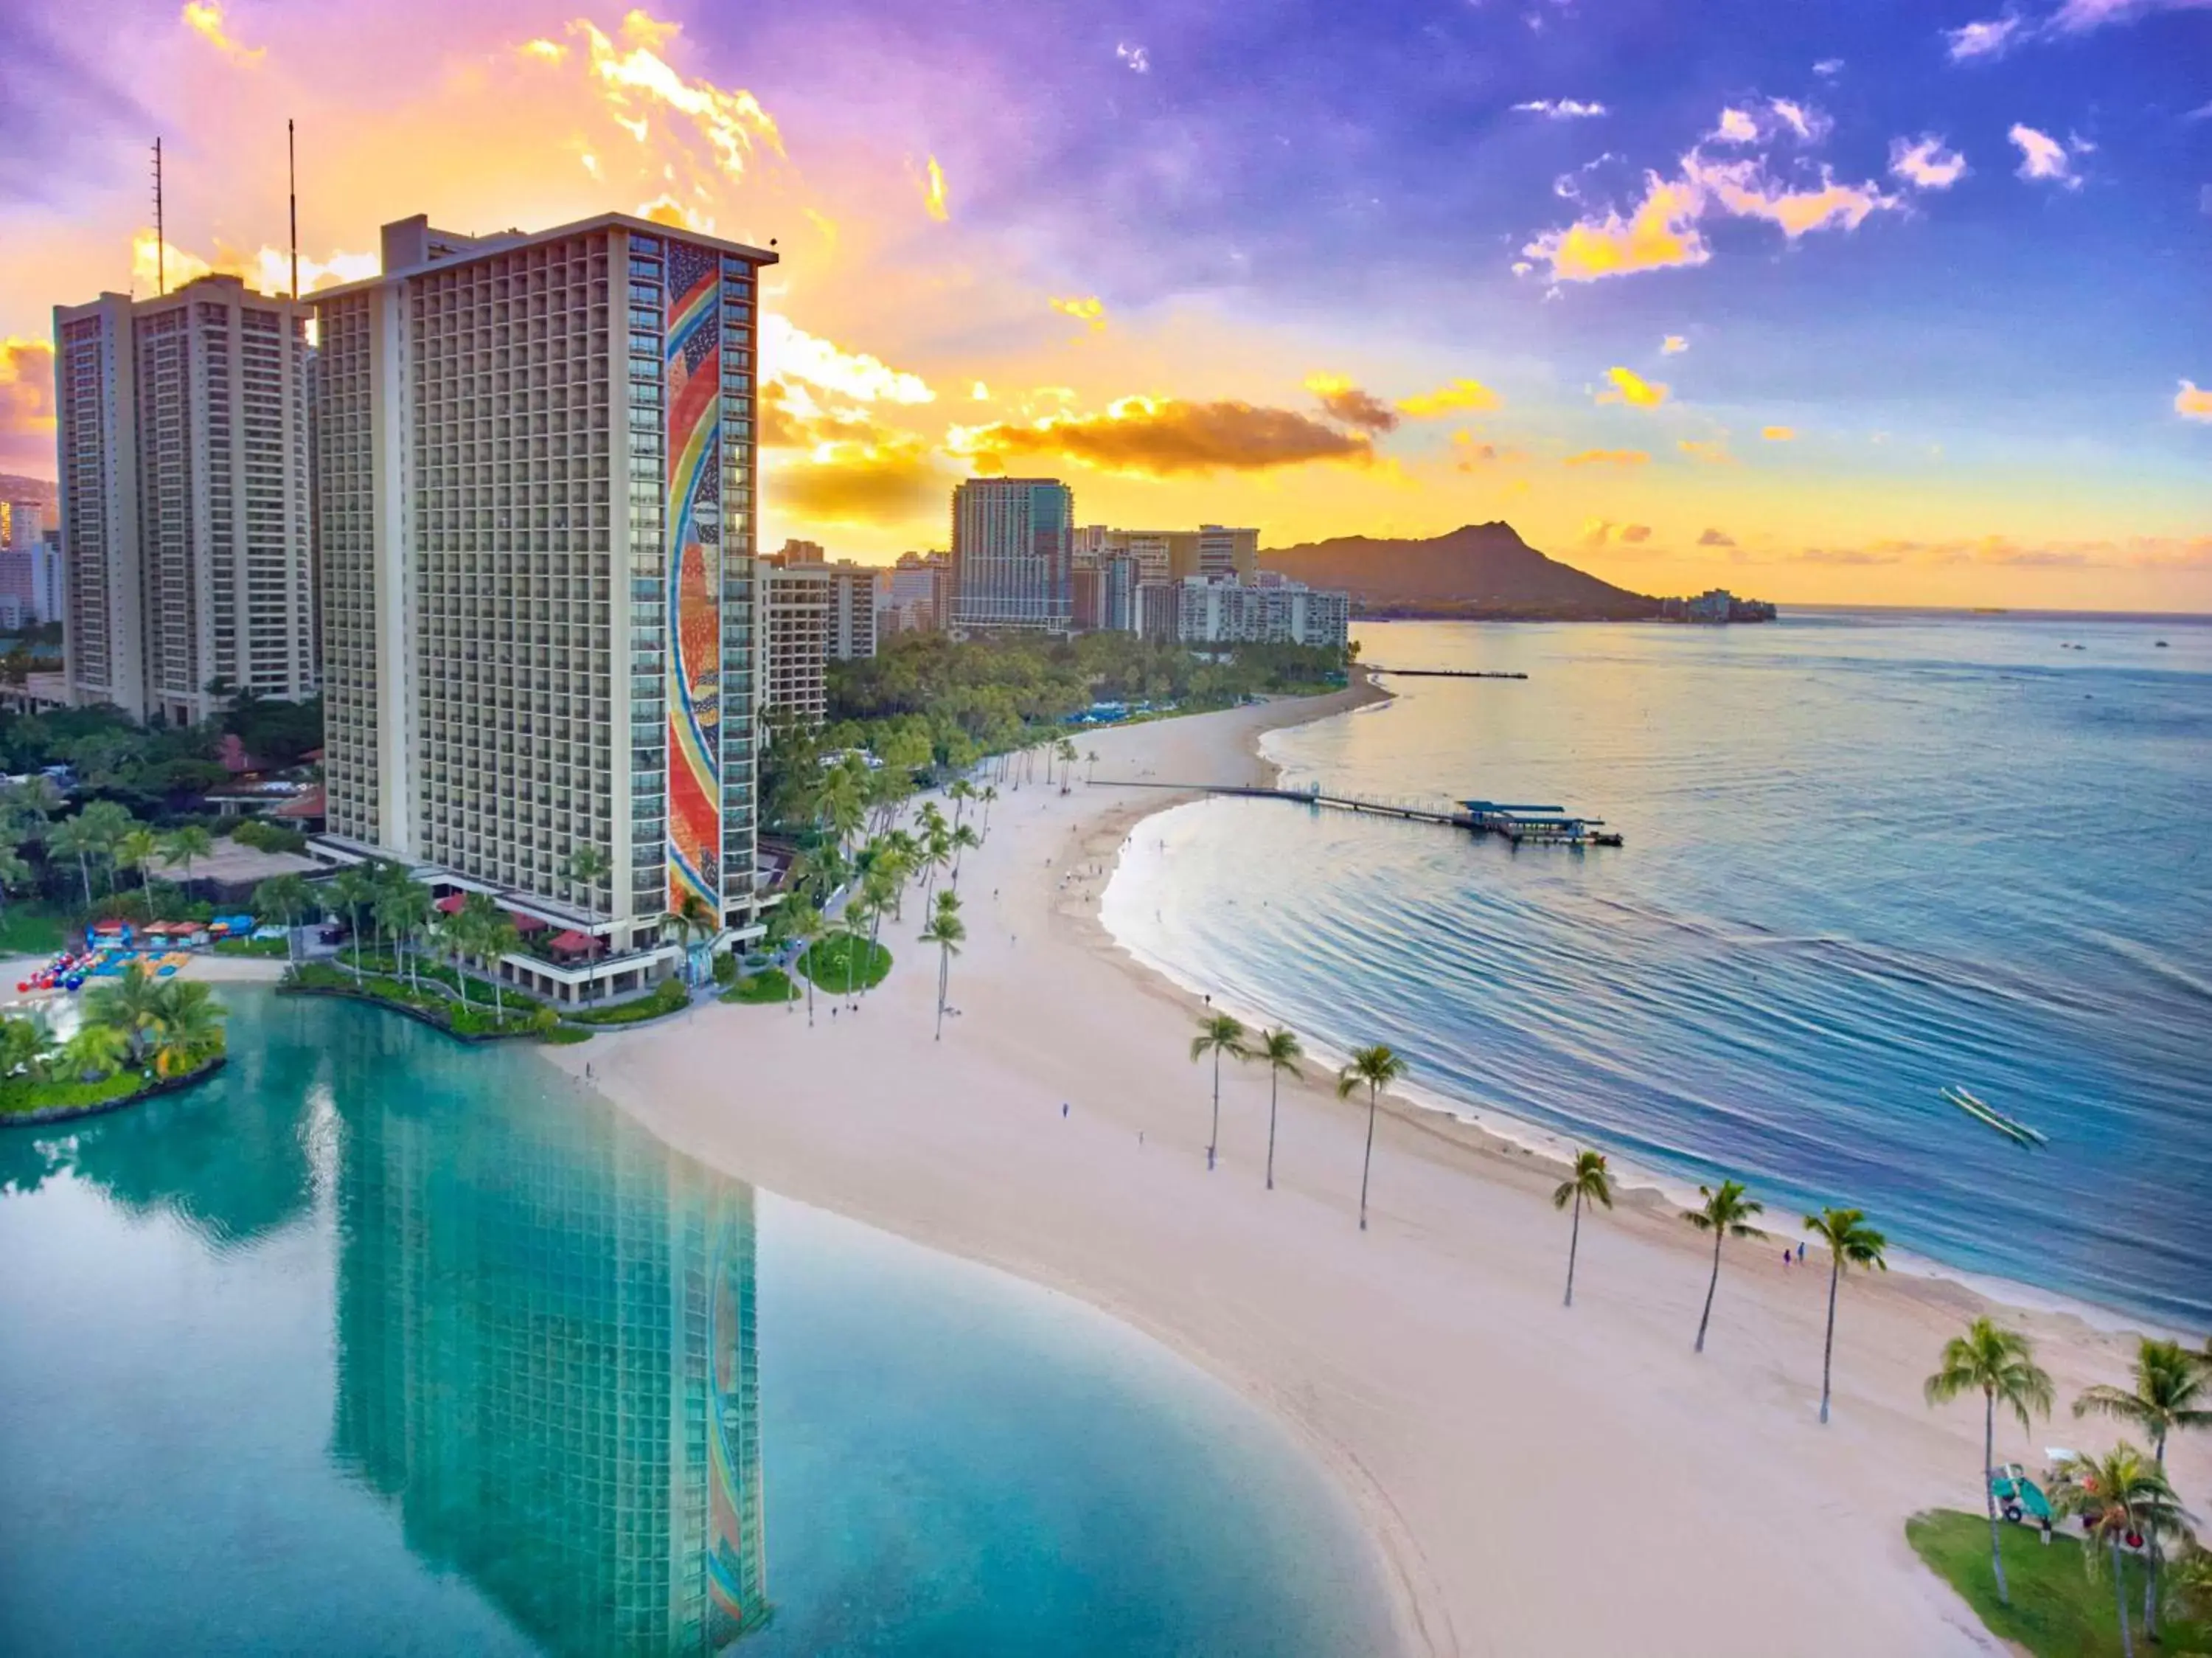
{"type": "Point", "coordinates": [1534, 1479]}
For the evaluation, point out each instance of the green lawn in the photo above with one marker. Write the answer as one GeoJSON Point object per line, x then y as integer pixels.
{"type": "Point", "coordinates": [771, 985]}
{"type": "Point", "coordinates": [824, 962]}
{"type": "Point", "coordinates": [23, 1094]}
{"type": "Point", "coordinates": [276, 948]}
{"type": "Point", "coordinates": [30, 929]}
{"type": "Point", "coordinates": [2057, 1611]}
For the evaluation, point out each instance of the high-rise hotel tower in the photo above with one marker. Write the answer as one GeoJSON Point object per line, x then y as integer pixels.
{"type": "Point", "coordinates": [181, 433]}
{"type": "Point", "coordinates": [535, 471]}
{"type": "Point", "coordinates": [1012, 539]}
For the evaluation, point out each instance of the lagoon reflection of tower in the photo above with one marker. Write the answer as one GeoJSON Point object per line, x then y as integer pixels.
{"type": "Point", "coordinates": [545, 1351]}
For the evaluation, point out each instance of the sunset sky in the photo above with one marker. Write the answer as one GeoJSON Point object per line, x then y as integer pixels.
{"type": "Point", "coordinates": [1893, 302]}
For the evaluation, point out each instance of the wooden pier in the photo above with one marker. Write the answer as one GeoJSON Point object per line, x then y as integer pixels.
{"type": "Point", "coordinates": [1543, 826]}
{"type": "Point", "coordinates": [1441, 673]}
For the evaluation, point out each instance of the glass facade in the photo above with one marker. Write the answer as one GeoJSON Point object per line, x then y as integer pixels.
{"type": "Point", "coordinates": [1012, 540]}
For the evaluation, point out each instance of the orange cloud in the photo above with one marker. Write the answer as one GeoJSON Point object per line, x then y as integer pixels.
{"type": "Point", "coordinates": [1661, 231]}
{"type": "Point", "coordinates": [1602, 532]}
{"type": "Point", "coordinates": [2192, 401]}
{"type": "Point", "coordinates": [637, 84]}
{"type": "Point", "coordinates": [790, 352]}
{"type": "Point", "coordinates": [1712, 538]}
{"type": "Point", "coordinates": [1712, 451]}
{"type": "Point", "coordinates": [933, 193]}
{"type": "Point", "coordinates": [1672, 344]}
{"type": "Point", "coordinates": [1342, 400]}
{"type": "Point", "coordinates": [1162, 436]}
{"type": "Point", "coordinates": [1778, 434]}
{"type": "Point", "coordinates": [205, 19]}
{"type": "Point", "coordinates": [1630, 388]}
{"type": "Point", "coordinates": [1089, 309]}
{"type": "Point", "coordinates": [1744, 189]}
{"type": "Point", "coordinates": [1449, 397]}
{"type": "Point", "coordinates": [1607, 458]}
{"type": "Point", "coordinates": [27, 402]}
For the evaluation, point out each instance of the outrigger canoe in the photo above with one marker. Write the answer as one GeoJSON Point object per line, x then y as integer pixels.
{"type": "Point", "coordinates": [1991, 1117]}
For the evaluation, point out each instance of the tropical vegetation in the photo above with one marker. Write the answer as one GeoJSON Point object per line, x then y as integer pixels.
{"type": "Point", "coordinates": [1588, 1178]}
{"type": "Point", "coordinates": [2171, 1394]}
{"type": "Point", "coordinates": [1223, 1038]}
{"type": "Point", "coordinates": [1279, 1052]}
{"type": "Point", "coordinates": [1851, 1243]}
{"type": "Point", "coordinates": [139, 1031]}
{"type": "Point", "coordinates": [1727, 1212]}
{"type": "Point", "coordinates": [2000, 1365]}
{"type": "Point", "coordinates": [1374, 1069]}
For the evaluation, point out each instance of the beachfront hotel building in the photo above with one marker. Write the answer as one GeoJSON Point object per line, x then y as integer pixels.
{"type": "Point", "coordinates": [548, 1367]}
{"type": "Point", "coordinates": [794, 604]}
{"type": "Point", "coordinates": [856, 592]}
{"type": "Point", "coordinates": [181, 436]}
{"type": "Point", "coordinates": [1279, 613]}
{"type": "Point", "coordinates": [1012, 539]}
{"type": "Point", "coordinates": [535, 474]}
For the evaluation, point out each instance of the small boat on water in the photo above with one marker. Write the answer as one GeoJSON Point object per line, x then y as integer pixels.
{"type": "Point", "coordinates": [1989, 1117]}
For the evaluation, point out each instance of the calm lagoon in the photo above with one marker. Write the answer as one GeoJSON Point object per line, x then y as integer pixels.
{"type": "Point", "coordinates": [378, 1344]}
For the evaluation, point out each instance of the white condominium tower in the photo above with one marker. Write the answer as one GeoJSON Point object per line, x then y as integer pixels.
{"type": "Point", "coordinates": [536, 479]}
{"type": "Point", "coordinates": [182, 438]}
{"type": "Point", "coordinates": [1012, 542]}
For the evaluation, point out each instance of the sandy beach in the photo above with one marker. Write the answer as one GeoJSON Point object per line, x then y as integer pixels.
{"type": "Point", "coordinates": [1534, 1478]}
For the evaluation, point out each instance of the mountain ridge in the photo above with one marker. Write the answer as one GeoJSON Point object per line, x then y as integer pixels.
{"type": "Point", "coordinates": [1475, 571]}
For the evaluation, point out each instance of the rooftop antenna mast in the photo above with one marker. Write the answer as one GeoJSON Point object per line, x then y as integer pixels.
{"type": "Point", "coordinates": [292, 179]}
{"type": "Point", "coordinates": [160, 236]}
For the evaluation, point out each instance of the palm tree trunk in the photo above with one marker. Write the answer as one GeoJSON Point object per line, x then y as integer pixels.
{"type": "Point", "coordinates": [944, 974]}
{"type": "Point", "coordinates": [1214, 1138]}
{"type": "Point", "coordinates": [2120, 1596]}
{"type": "Point", "coordinates": [2151, 1562]}
{"type": "Point", "coordinates": [1828, 1350]}
{"type": "Point", "coordinates": [84, 869]}
{"type": "Point", "coordinates": [1574, 1243]}
{"type": "Point", "coordinates": [1368, 1165]}
{"type": "Point", "coordinates": [1274, 1088]}
{"type": "Point", "coordinates": [1988, 1492]}
{"type": "Point", "coordinates": [1711, 1284]}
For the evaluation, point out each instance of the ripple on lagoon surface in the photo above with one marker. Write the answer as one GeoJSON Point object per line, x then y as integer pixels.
{"type": "Point", "coordinates": [1868, 855]}
{"type": "Point", "coordinates": [376, 1344]}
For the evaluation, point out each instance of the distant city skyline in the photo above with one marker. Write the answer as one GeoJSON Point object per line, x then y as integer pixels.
{"type": "Point", "coordinates": [1886, 306]}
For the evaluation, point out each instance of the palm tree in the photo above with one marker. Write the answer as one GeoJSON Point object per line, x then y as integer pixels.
{"type": "Point", "coordinates": [959, 791]}
{"type": "Point", "coordinates": [799, 923]}
{"type": "Point", "coordinates": [72, 838]}
{"type": "Point", "coordinates": [106, 822]}
{"type": "Point", "coordinates": [1726, 1212]}
{"type": "Point", "coordinates": [1217, 1034]}
{"type": "Point", "coordinates": [2172, 1392]}
{"type": "Point", "coordinates": [137, 850]}
{"type": "Point", "coordinates": [945, 931]}
{"type": "Point", "coordinates": [287, 898]}
{"type": "Point", "coordinates": [962, 836]}
{"type": "Point", "coordinates": [491, 933]}
{"type": "Point", "coordinates": [353, 890]}
{"type": "Point", "coordinates": [1587, 1178]}
{"type": "Point", "coordinates": [96, 1051]}
{"type": "Point", "coordinates": [130, 1007]}
{"type": "Point", "coordinates": [455, 936]}
{"type": "Point", "coordinates": [185, 844]}
{"type": "Point", "coordinates": [1066, 751]}
{"type": "Point", "coordinates": [2001, 1363]}
{"type": "Point", "coordinates": [587, 867]}
{"type": "Point", "coordinates": [1090, 767]}
{"type": "Point", "coordinates": [879, 890]}
{"type": "Point", "coordinates": [403, 910]}
{"type": "Point", "coordinates": [986, 796]}
{"type": "Point", "coordinates": [1374, 1068]}
{"type": "Point", "coordinates": [2119, 1498]}
{"type": "Point", "coordinates": [187, 1024]}
{"type": "Point", "coordinates": [1281, 1050]}
{"type": "Point", "coordinates": [936, 854]}
{"type": "Point", "coordinates": [14, 871]}
{"type": "Point", "coordinates": [1851, 1242]}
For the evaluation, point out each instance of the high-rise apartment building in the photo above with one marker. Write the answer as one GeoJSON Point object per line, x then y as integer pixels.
{"type": "Point", "coordinates": [1225, 554]}
{"type": "Point", "coordinates": [853, 590]}
{"type": "Point", "coordinates": [181, 429]}
{"type": "Point", "coordinates": [917, 601]}
{"type": "Point", "coordinates": [535, 500]}
{"type": "Point", "coordinates": [1012, 544]}
{"type": "Point", "coordinates": [794, 601]}
{"type": "Point", "coordinates": [1290, 612]}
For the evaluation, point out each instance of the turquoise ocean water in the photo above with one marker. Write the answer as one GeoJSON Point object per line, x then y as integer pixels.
{"type": "Point", "coordinates": [375, 1345]}
{"type": "Point", "coordinates": [1868, 855]}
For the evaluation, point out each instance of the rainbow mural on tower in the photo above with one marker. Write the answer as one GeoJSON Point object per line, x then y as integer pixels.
{"type": "Point", "coordinates": [695, 574]}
